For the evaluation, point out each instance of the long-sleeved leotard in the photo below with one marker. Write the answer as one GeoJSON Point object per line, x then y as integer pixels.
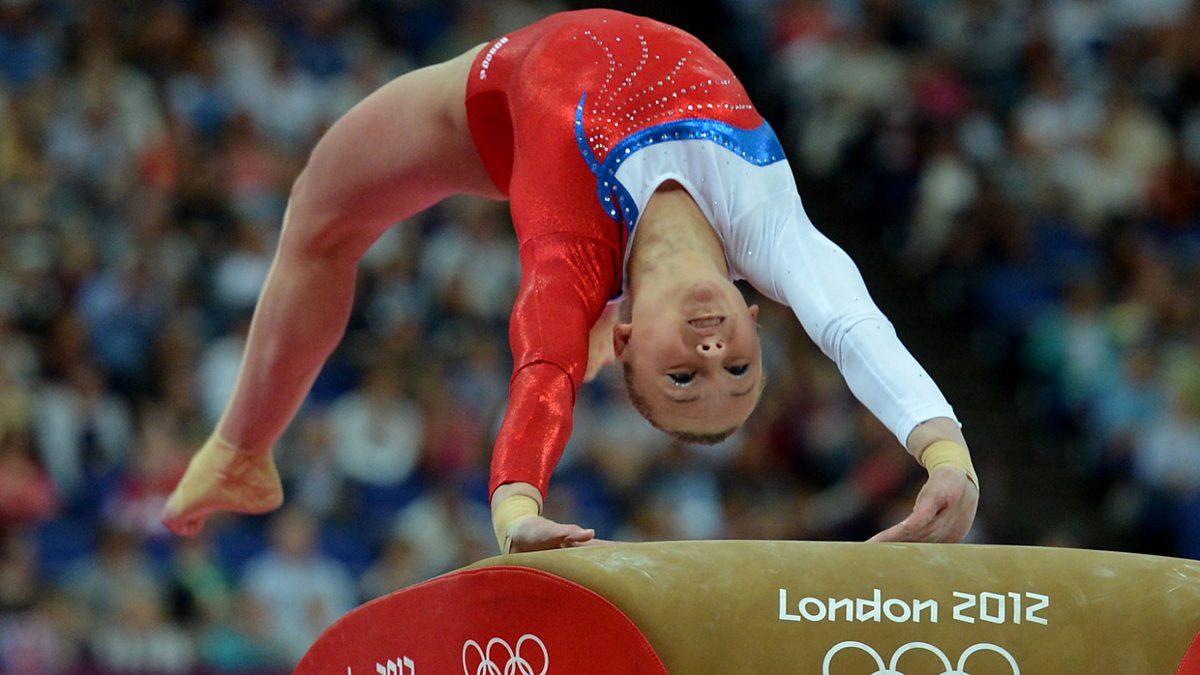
{"type": "Point", "coordinates": [578, 119]}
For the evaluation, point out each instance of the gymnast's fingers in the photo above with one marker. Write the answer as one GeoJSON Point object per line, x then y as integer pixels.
{"type": "Point", "coordinates": [597, 542]}
{"type": "Point", "coordinates": [897, 532]}
{"type": "Point", "coordinates": [934, 515]}
{"type": "Point", "coordinates": [577, 535]}
{"type": "Point", "coordinates": [539, 534]}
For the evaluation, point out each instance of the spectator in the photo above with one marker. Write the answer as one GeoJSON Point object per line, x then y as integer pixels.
{"type": "Point", "coordinates": [84, 432]}
{"type": "Point", "coordinates": [1166, 461]}
{"type": "Point", "coordinates": [302, 590]}
{"type": "Point", "coordinates": [20, 585]}
{"type": "Point", "coordinates": [27, 495]}
{"type": "Point", "coordinates": [199, 589]}
{"type": "Point", "coordinates": [28, 50]}
{"type": "Point", "coordinates": [471, 261]}
{"type": "Point", "coordinates": [43, 639]}
{"type": "Point", "coordinates": [317, 484]}
{"type": "Point", "coordinates": [240, 274]}
{"type": "Point", "coordinates": [376, 435]}
{"type": "Point", "coordinates": [394, 569]}
{"type": "Point", "coordinates": [139, 639]}
{"type": "Point", "coordinates": [157, 462]}
{"type": "Point", "coordinates": [123, 311]}
{"type": "Point", "coordinates": [239, 640]}
{"type": "Point", "coordinates": [217, 371]}
{"type": "Point", "coordinates": [120, 567]}
{"type": "Point", "coordinates": [1073, 347]}
{"type": "Point", "coordinates": [443, 529]}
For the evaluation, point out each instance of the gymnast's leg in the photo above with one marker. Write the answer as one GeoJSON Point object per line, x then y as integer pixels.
{"type": "Point", "coordinates": [400, 150]}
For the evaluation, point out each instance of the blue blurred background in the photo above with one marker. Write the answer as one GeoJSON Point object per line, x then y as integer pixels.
{"type": "Point", "coordinates": [1018, 179]}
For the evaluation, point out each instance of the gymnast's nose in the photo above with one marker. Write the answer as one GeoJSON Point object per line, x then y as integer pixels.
{"type": "Point", "coordinates": [710, 346]}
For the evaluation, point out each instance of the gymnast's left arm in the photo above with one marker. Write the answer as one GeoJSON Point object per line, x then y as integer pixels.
{"type": "Point", "coordinates": [822, 285]}
{"type": "Point", "coordinates": [946, 505]}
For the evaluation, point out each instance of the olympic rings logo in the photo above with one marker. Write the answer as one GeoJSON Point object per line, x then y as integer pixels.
{"type": "Point", "coordinates": [515, 662]}
{"type": "Point", "coordinates": [890, 669]}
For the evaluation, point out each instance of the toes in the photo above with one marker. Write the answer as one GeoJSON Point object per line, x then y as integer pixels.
{"type": "Point", "coordinates": [184, 526]}
{"type": "Point", "coordinates": [192, 527]}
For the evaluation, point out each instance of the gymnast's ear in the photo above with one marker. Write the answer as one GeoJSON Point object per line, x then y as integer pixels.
{"type": "Point", "coordinates": [621, 334]}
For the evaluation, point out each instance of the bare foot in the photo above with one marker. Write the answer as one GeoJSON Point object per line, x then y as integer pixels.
{"type": "Point", "coordinates": [220, 478]}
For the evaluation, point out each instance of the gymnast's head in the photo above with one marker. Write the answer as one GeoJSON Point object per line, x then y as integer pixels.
{"type": "Point", "coordinates": [691, 357]}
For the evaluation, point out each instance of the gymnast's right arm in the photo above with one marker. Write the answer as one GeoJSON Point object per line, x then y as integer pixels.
{"type": "Point", "coordinates": [549, 331]}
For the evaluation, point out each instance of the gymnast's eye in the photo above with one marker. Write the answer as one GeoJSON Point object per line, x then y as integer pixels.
{"type": "Point", "coordinates": [738, 371]}
{"type": "Point", "coordinates": [681, 379]}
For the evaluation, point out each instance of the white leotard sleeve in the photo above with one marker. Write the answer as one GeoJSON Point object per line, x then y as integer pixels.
{"type": "Point", "coordinates": [795, 264]}
{"type": "Point", "coordinates": [769, 241]}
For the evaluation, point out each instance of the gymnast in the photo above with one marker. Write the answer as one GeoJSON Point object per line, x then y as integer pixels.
{"type": "Point", "coordinates": [642, 183]}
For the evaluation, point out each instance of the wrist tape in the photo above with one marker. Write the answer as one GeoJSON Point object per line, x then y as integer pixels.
{"type": "Point", "coordinates": [508, 513]}
{"type": "Point", "coordinates": [949, 453]}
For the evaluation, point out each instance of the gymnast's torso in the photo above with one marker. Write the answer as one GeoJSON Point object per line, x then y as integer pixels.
{"type": "Point", "coordinates": [578, 119]}
{"type": "Point", "coordinates": [589, 112]}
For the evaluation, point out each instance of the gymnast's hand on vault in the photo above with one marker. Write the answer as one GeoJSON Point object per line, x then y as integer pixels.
{"type": "Point", "coordinates": [944, 511]}
{"type": "Point", "coordinates": [539, 534]}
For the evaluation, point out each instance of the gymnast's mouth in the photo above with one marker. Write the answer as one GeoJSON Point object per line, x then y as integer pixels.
{"type": "Point", "coordinates": [711, 321]}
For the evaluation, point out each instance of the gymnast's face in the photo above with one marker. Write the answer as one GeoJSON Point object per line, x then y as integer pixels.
{"type": "Point", "coordinates": [692, 357]}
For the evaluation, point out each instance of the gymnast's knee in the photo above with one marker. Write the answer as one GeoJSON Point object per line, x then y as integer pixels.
{"type": "Point", "coordinates": [312, 228]}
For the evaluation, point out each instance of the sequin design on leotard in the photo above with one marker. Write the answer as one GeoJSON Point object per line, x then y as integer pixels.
{"type": "Point", "coordinates": [658, 114]}
{"type": "Point", "coordinates": [759, 147]}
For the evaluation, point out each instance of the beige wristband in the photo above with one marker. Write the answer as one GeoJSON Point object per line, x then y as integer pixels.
{"type": "Point", "coordinates": [508, 513]}
{"type": "Point", "coordinates": [948, 453]}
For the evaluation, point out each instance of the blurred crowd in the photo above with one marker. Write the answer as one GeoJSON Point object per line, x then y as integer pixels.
{"type": "Point", "coordinates": [1035, 169]}
{"type": "Point", "coordinates": [1033, 166]}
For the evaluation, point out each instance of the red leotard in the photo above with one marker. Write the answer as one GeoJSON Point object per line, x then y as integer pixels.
{"type": "Point", "coordinates": [546, 104]}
